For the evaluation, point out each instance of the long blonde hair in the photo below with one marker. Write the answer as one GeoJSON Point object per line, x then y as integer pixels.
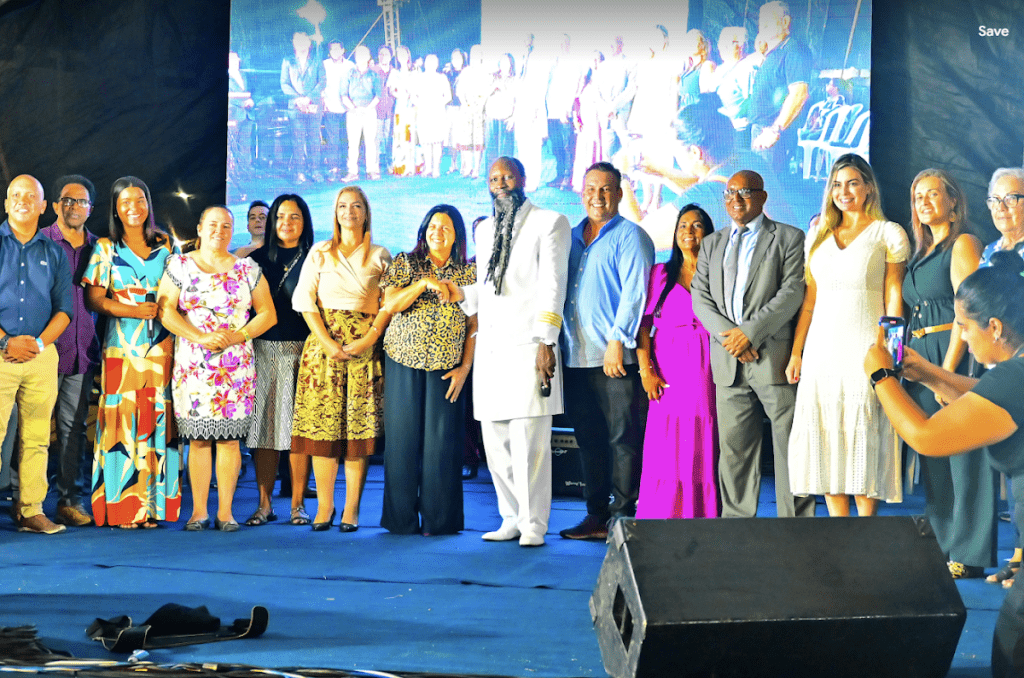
{"type": "Point", "coordinates": [336, 239]}
{"type": "Point", "coordinates": [831, 216]}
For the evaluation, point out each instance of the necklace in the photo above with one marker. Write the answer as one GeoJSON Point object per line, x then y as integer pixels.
{"type": "Point", "coordinates": [288, 269]}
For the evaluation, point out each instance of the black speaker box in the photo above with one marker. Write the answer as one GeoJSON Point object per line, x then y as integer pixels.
{"type": "Point", "coordinates": [790, 597]}
{"type": "Point", "coordinates": [566, 464]}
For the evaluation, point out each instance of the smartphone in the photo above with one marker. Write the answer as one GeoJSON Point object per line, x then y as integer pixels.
{"type": "Point", "coordinates": [894, 328]}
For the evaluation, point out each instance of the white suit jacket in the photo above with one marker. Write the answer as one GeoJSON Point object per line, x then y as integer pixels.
{"type": "Point", "coordinates": [528, 311]}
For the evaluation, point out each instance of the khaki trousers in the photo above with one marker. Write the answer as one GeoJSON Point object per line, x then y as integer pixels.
{"type": "Point", "coordinates": [33, 385]}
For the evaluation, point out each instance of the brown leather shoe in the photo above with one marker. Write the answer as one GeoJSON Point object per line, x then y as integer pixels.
{"type": "Point", "coordinates": [39, 524]}
{"type": "Point", "coordinates": [73, 515]}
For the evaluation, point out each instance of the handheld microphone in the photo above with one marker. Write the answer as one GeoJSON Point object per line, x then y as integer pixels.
{"type": "Point", "coordinates": [545, 390]}
{"type": "Point", "coordinates": [150, 325]}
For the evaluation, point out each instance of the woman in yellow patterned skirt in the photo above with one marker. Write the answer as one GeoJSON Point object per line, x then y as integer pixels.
{"type": "Point", "coordinates": [339, 394]}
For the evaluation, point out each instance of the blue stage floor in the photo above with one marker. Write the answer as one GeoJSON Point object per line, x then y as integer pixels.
{"type": "Point", "coordinates": [367, 600]}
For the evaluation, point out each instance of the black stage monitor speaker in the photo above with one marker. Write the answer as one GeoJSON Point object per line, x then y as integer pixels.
{"type": "Point", "coordinates": [812, 597]}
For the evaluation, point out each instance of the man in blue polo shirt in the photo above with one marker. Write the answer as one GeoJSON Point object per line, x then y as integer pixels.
{"type": "Point", "coordinates": [610, 260]}
{"type": "Point", "coordinates": [35, 307]}
{"type": "Point", "coordinates": [780, 88]}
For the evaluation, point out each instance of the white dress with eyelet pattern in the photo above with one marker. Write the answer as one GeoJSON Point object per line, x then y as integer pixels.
{"type": "Point", "coordinates": [841, 441]}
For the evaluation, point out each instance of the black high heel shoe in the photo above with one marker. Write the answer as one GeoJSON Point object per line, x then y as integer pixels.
{"type": "Point", "coordinates": [323, 527]}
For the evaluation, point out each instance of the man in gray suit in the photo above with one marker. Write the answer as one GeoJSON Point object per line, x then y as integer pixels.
{"type": "Point", "coordinates": [748, 286]}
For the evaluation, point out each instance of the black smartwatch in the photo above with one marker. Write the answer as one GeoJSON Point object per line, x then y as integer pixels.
{"type": "Point", "coordinates": [3, 343]}
{"type": "Point", "coordinates": [880, 374]}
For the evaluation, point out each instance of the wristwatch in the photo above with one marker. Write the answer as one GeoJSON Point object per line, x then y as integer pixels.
{"type": "Point", "coordinates": [3, 343]}
{"type": "Point", "coordinates": [880, 374]}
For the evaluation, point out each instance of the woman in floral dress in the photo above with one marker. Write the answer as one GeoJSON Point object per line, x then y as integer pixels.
{"type": "Point", "coordinates": [205, 299]}
{"type": "Point", "coordinates": [136, 478]}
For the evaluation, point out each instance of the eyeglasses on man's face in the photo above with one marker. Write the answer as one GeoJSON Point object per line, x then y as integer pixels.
{"type": "Point", "coordinates": [71, 202]}
{"type": "Point", "coordinates": [744, 193]}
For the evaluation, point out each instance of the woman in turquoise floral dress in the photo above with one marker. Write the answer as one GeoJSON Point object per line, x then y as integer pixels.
{"type": "Point", "coordinates": [136, 478]}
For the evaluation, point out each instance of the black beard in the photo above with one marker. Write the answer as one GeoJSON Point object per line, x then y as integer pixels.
{"type": "Point", "coordinates": [505, 209]}
{"type": "Point", "coordinates": [510, 201]}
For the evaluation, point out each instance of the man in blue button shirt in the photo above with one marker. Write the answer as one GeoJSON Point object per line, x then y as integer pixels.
{"type": "Point", "coordinates": [35, 307]}
{"type": "Point", "coordinates": [609, 263]}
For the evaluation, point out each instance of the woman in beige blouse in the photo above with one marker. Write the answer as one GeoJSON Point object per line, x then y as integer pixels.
{"type": "Point", "coordinates": [339, 395]}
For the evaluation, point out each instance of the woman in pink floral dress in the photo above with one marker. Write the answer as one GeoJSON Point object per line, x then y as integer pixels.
{"type": "Point", "coordinates": [205, 299]}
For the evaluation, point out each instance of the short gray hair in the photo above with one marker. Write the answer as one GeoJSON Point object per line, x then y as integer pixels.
{"type": "Point", "coordinates": [779, 5]}
{"type": "Point", "coordinates": [1015, 172]}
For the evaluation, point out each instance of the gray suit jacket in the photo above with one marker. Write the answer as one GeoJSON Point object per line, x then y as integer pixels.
{"type": "Point", "coordinates": [774, 292]}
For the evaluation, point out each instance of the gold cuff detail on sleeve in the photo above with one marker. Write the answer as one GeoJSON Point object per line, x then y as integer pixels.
{"type": "Point", "coordinates": [550, 319]}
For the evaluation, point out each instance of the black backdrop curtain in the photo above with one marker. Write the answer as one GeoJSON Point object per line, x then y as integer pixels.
{"type": "Point", "coordinates": [107, 88]}
{"type": "Point", "coordinates": [943, 96]}
{"type": "Point", "coordinates": [113, 87]}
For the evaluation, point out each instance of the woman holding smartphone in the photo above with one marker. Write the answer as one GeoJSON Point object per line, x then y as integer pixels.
{"type": "Point", "coordinates": [841, 445]}
{"type": "Point", "coordinates": [986, 412]}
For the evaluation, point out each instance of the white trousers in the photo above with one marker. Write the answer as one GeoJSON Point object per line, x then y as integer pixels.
{"type": "Point", "coordinates": [519, 459]}
{"type": "Point", "coordinates": [362, 122]}
{"type": "Point", "coordinates": [528, 149]}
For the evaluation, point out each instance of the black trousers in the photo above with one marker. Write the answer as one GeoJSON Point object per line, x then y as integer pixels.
{"type": "Point", "coordinates": [1008, 639]}
{"type": "Point", "coordinates": [423, 458]}
{"type": "Point", "coordinates": [306, 141]}
{"type": "Point", "coordinates": [603, 416]}
{"type": "Point", "coordinates": [336, 142]}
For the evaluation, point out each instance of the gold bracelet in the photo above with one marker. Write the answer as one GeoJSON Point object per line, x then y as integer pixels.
{"type": "Point", "coordinates": [245, 333]}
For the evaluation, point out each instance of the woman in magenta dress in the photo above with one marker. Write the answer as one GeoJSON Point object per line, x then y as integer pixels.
{"type": "Point", "coordinates": [673, 349]}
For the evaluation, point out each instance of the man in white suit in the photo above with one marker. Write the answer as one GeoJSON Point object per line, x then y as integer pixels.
{"type": "Point", "coordinates": [517, 385]}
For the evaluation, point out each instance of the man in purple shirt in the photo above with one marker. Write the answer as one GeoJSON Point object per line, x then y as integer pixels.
{"type": "Point", "coordinates": [78, 348]}
{"type": "Point", "coordinates": [35, 307]}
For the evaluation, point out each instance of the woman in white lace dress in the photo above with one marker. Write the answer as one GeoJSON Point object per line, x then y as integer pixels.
{"type": "Point", "coordinates": [842, 444]}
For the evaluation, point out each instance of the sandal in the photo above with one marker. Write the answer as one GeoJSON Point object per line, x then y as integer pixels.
{"type": "Point", "coordinates": [1008, 571]}
{"type": "Point", "coordinates": [262, 516]}
{"type": "Point", "coordinates": [961, 571]}
{"type": "Point", "coordinates": [299, 516]}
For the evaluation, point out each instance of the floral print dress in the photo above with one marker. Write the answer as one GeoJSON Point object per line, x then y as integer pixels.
{"type": "Point", "coordinates": [136, 477]}
{"type": "Point", "coordinates": [213, 392]}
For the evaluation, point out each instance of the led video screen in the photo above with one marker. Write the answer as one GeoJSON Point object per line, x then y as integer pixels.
{"type": "Point", "coordinates": [412, 102]}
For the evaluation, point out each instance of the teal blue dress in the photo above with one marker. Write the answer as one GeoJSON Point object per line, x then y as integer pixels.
{"type": "Point", "coordinates": [960, 491]}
